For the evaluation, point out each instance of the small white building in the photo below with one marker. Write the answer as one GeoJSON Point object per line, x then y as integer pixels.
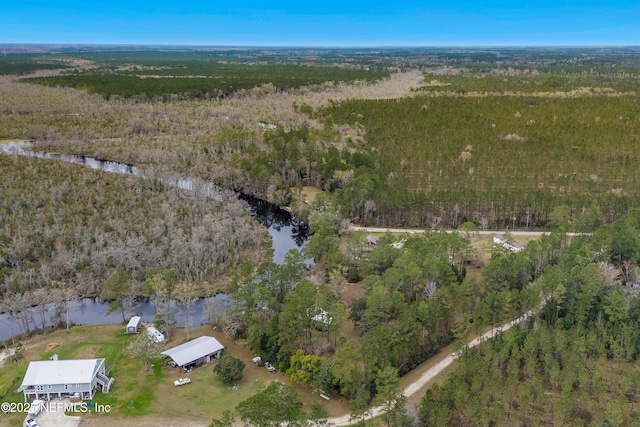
{"type": "Point", "coordinates": [45, 379]}
{"type": "Point", "coordinates": [134, 325]}
{"type": "Point", "coordinates": [155, 335]}
{"type": "Point", "coordinates": [501, 241]}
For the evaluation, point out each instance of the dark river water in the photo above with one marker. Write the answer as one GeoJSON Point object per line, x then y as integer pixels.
{"type": "Point", "coordinates": [287, 232]}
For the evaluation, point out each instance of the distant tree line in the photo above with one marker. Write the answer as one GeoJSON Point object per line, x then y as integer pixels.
{"type": "Point", "coordinates": [199, 78]}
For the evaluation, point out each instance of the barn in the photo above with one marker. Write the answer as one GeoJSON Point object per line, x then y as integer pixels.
{"type": "Point", "coordinates": [195, 353]}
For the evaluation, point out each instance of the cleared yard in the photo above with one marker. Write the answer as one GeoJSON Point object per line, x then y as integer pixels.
{"type": "Point", "coordinates": [139, 397]}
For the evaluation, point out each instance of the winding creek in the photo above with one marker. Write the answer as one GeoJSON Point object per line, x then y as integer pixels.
{"type": "Point", "coordinates": [287, 232]}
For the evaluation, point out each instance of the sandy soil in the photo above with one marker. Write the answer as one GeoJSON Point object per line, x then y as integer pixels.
{"type": "Point", "coordinates": [146, 421]}
{"type": "Point", "coordinates": [5, 354]}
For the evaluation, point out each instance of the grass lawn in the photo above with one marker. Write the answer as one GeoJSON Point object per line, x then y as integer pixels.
{"type": "Point", "coordinates": [310, 193]}
{"type": "Point", "coordinates": [303, 197]}
{"type": "Point", "coordinates": [137, 392]}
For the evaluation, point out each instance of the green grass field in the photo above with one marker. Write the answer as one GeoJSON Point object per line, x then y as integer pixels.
{"type": "Point", "coordinates": [137, 392]}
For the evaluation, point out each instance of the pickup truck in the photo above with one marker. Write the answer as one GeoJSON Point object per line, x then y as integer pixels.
{"type": "Point", "coordinates": [181, 381]}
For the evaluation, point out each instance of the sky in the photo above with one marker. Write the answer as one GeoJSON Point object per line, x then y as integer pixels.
{"type": "Point", "coordinates": [322, 23]}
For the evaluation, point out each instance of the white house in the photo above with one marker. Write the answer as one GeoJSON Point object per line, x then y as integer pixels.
{"type": "Point", "coordinates": [64, 378]}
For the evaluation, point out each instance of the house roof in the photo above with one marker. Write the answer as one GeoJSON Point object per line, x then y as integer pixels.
{"type": "Point", "coordinates": [135, 320]}
{"type": "Point", "coordinates": [44, 372]}
{"type": "Point", "coordinates": [193, 350]}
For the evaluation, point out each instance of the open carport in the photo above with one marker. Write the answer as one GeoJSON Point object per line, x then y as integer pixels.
{"type": "Point", "coordinates": [195, 353]}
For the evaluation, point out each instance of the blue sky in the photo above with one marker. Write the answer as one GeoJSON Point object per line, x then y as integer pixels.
{"type": "Point", "coordinates": [322, 23]}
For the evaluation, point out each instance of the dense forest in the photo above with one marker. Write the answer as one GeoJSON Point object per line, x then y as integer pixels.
{"type": "Point", "coordinates": [25, 63]}
{"type": "Point", "coordinates": [417, 299]}
{"type": "Point", "coordinates": [488, 159]}
{"type": "Point", "coordinates": [475, 133]}
{"type": "Point", "coordinates": [575, 363]}
{"type": "Point", "coordinates": [169, 76]}
{"type": "Point", "coordinates": [68, 227]}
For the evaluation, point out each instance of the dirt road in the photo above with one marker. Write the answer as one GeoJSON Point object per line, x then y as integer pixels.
{"type": "Point", "coordinates": [482, 233]}
{"type": "Point", "coordinates": [430, 373]}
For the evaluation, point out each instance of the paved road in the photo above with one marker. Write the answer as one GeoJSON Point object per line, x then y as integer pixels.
{"type": "Point", "coordinates": [430, 373]}
{"type": "Point", "coordinates": [482, 233]}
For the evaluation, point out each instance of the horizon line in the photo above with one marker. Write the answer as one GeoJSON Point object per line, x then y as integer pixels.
{"type": "Point", "coordinates": [320, 46]}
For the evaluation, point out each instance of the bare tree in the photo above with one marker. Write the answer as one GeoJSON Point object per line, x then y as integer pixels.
{"type": "Point", "coordinates": [40, 299]}
{"type": "Point", "coordinates": [215, 311]}
{"type": "Point", "coordinates": [456, 212]}
{"type": "Point", "coordinates": [165, 319]}
{"type": "Point", "coordinates": [61, 296]}
{"type": "Point", "coordinates": [145, 349]}
{"type": "Point", "coordinates": [186, 294]}
{"type": "Point", "coordinates": [430, 290]}
{"type": "Point", "coordinates": [18, 308]}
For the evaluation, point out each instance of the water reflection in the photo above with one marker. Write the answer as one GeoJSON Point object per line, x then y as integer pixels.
{"type": "Point", "coordinates": [90, 311]}
{"type": "Point", "coordinates": [287, 231]}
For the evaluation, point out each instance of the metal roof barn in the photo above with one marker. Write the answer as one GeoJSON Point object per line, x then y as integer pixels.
{"type": "Point", "coordinates": [195, 352]}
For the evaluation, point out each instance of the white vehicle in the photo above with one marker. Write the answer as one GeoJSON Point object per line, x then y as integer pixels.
{"type": "Point", "coordinates": [270, 367]}
{"type": "Point", "coordinates": [155, 335]}
{"type": "Point", "coordinates": [256, 359]}
{"type": "Point", "coordinates": [181, 381]}
{"type": "Point", "coordinates": [36, 407]}
{"type": "Point", "coordinates": [30, 422]}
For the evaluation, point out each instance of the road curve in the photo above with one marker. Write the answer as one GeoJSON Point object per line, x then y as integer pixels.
{"type": "Point", "coordinates": [430, 373]}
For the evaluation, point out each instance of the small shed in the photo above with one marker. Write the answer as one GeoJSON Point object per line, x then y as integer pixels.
{"type": "Point", "coordinates": [155, 335]}
{"type": "Point", "coordinates": [133, 326]}
{"type": "Point", "coordinates": [195, 353]}
{"type": "Point", "coordinates": [372, 240]}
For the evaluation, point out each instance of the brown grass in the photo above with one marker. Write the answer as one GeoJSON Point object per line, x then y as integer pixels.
{"type": "Point", "coordinates": [309, 193]}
